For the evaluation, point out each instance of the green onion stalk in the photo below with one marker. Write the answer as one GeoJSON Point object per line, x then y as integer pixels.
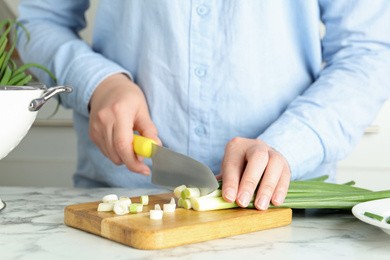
{"type": "Point", "coordinates": [308, 194]}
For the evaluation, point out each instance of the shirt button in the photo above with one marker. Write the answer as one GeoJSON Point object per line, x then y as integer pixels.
{"type": "Point", "coordinates": [202, 10]}
{"type": "Point", "coordinates": [200, 72]}
{"type": "Point", "coordinates": [200, 131]}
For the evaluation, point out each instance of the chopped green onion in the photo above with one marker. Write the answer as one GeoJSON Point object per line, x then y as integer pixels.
{"type": "Point", "coordinates": [145, 200]}
{"type": "Point", "coordinates": [180, 203]}
{"type": "Point", "coordinates": [121, 207]}
{"type": "Point", "coordinates": [187, 204]}
{"type": "Point", "coordinates": [156, 214]}
{"type": "Point", "coordinates": [110, 197]}
{"type": "Point", "coordinates": [125, 199]}
{"type": "Point", "coordinates": [373, 216]}
{"type": "Point", "coordinates": [170, 208]}
{"type": "Point", "coordinates": [190, 193]}
{"type": "Point", "coordinates": [135, 208]}
{"type": "Point", "coordinates": [177, 191]}
{"type": "Point", "coordinates": [106, 206]}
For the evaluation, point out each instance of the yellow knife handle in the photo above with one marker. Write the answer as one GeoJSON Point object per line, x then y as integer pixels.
{"type": "Point", "coordinates": [143, 146]}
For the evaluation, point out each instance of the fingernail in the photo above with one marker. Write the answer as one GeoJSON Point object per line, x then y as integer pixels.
{"type": "Point", "coordinates": [244, 199]}
{"type": "Point", "coordinates": [263, 203]}
{"type": "Point", "coordinates": [145, 173]}
{"type": "Point", "coordinates": [230, 194]}
{"type": "Point", "coordinates": [278, 199]}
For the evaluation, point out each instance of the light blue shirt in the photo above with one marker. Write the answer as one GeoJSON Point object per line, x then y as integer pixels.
{"type": "Point", "coordinates": [213, 70]}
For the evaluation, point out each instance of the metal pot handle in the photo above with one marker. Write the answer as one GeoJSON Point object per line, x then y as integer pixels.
{"type": "Point", "coordinates": [37, 103]}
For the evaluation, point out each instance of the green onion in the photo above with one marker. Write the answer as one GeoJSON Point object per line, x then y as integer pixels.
{"type": "Point", "coordinates": [178, 190]}
{"type": "Point", "coordinates": [180, 202]}
{"type": "Point", "coordinates": [320, 178]}
{"type": "Point", "coordinates": [145, 200]}
{"type": "Point", "coordinates": [187, 204]}
{"type": "Point", "coordinates": [16, 78]}
{"type": "Point", "coordinates": [212, 203]}
{"type": "Point", "coordinates": [374, 216]}
{"type": "Point", "coordinates": [135, 207]}
{"type": "Point", "coordinates": [6, 77]}
{"type": "Point", "coordinates": [110, 197]}
{"type": "Point", "coordinates": [170, 207]}
{"type": "Point", "coordinates": [190, 193]}
{"type": "Point", "coordinates": [313, 193]}
{"type": "Point", "coordinates": [106, 206]}
{"type": "Point", "coordinates": [216, 193]}
{"type": "Point", "coordinates": [10, 75]}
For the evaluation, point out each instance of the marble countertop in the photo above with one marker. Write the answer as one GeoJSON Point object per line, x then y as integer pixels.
{"type": "Point", "coordinates": [32, 227]}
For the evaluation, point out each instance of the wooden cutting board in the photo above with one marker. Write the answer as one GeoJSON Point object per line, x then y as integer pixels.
{"type": "Point", "coordinates": [175, 229]}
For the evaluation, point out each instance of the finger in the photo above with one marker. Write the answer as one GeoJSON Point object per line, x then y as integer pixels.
{"type": "Point", "coordinates": [282, 187]}
{"type": "Point", "coordinates": [97, 138]}
{"type": "Point", "coordinates": [108, 140]}
{"type": "Point", "coordinates": [218, 176]}
{"type": "Point", "coordinates": [139, 157]}
{"type": "Point", "coordinates": [257, 159]}
{"type": "Point", "coordinates": [101, 145]}
{"type": "Point", "coordinates": [269, 181]}
{"type": "Point", "coordinates": [231, 169]}
{"type": "Point", "coordinates": [123, 143]}
{"type": "Point", "coordinates": [104, 124]}
{"type": "Point", "coordinates": [146, 127]}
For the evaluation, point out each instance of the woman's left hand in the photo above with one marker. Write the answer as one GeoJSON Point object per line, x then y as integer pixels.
{"type": "Point", "coordinates": [245, 162]}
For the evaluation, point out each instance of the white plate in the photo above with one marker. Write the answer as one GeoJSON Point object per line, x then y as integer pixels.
{"type": "Point", "coordinates": [379, 207]}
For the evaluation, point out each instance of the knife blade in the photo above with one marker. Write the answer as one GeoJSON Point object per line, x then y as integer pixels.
{"type": "Point", "coordinates": [171, 169]}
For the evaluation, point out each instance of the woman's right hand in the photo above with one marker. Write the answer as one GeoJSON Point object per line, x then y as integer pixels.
{"type": "Point", "coordinates": [117, 108]}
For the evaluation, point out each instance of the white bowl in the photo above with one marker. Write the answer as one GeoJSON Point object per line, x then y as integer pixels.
{"type": "Point", "coordinates": [18, 110]}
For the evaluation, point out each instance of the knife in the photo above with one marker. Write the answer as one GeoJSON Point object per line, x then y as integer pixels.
{"type": "Point", "coordinates": [171, 169]}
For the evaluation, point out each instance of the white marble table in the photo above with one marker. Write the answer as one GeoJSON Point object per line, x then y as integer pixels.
{"type": "Point", "coordinates": [32, 227]}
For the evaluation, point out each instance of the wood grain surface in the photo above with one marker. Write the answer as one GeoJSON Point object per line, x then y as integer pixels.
{"type": "Point", "coordinates": [175, 229]}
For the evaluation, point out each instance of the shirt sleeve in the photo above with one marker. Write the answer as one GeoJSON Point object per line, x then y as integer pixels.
{"type": "Point", "coordinates": [53, 27]}
{"type": "Point", "coordinates": [325, 123]}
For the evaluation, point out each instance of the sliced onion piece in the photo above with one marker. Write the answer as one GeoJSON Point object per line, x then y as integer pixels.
{"type": "Point", "coordinates": [145, 200]}
{"type": "Point", "coordinates": [109, 197]}
{"type": "Point", "coordinates": [105, 206]}
{"type": "Point", "coordinates": [125, 199]}
{"type": "Point", "coordinates": [136, 208]}
{"type": "Point", "coordinates": [170, 208]}
{"type": "Point", "coordinates": [121, 207]}
{"type": "Point", "coordinates": [180, 203]}
{"type": "Point", "coordinates": [156, 214]}
{"type": "Point", "coordinates": [187, 204]}
{"type": "Point", "coordinates": [177, 191]}
{"type": "Point", "coordinates": [190, 193]}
